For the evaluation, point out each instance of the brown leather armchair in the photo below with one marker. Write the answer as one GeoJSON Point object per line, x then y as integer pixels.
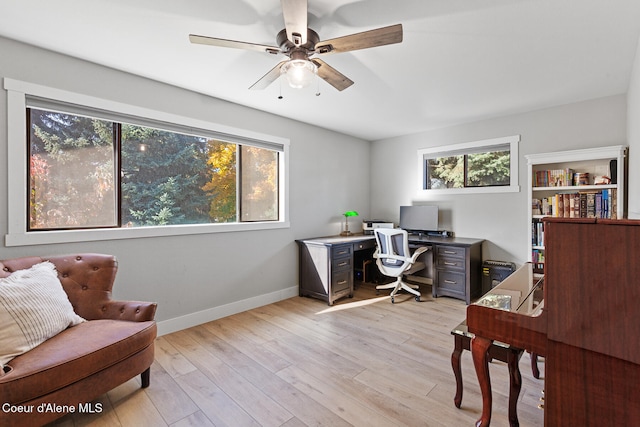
{"type": "Point", "coordinates": [87, 360]}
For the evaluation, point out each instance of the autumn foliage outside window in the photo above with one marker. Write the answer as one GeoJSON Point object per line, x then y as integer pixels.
{"type": "Point", "coordinates": [85, 172]}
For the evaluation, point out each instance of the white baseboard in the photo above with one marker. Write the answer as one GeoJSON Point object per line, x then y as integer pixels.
{"type": "Point", "coordinates": [204, 316]}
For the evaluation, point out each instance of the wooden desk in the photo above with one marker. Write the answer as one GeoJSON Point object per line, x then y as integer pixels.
{"type": "Point", "coordinates": [457, 262]}
{"type": "Point", "coordinates": [326, 265]}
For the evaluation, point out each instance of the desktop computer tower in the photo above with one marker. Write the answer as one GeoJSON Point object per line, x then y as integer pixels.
{"type": "Point", "coordinates": [494, 272]}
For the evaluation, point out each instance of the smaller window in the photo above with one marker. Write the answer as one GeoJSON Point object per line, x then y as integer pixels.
{"type": "Point", "coordinates": [480, 166]}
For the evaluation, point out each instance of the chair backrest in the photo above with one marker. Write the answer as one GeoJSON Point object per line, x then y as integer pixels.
{"type": "Point", "coordinates": [87, 278]}
{"type": "Point", "coordinates": [392, 242]}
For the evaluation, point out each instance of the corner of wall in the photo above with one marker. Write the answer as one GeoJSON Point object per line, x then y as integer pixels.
{"type": "Point", "coordinates": [633, 136]}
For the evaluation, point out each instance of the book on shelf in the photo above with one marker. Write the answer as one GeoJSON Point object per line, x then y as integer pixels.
{"type": "Point", "coordinates": [566, 204]}
{"type": "Point", "coordinates": [537, 257]}
{"type": "Point", "coordinates": [537, 233]}
{"type": "Point", "coordinates": [580, 204]}
{"type": "Point", "coordinates": [536, 207]}
{"type": "Point", "coordinates": [591, 205]}
{"type": "Point", "coordinates": [554, 178]}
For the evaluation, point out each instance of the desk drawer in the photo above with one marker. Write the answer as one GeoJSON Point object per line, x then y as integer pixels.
{"type": "Point", "coordinates": [450, 263]}
{"type": "Point", "coordinates": [341, 251]}
{"type": "Point", "coordinates": [451, 281]}
{"type": "Point", "coordinates": [339, 264]}
{"type": "Point", "coordinates": [450, 251]}
{"type": "Point", "coordinates": [366, 244]}
{"type": "Point", "coordinates": [340, 281]}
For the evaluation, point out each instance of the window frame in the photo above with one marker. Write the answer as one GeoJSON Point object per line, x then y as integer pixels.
{"type": "Point", "coordinates": [18, 204]}
{"type": "Point", "coordinates": [470, 148]}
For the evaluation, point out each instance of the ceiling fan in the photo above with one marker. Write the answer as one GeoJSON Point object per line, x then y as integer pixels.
{"type": "Point", "coordinates": [301, 44]}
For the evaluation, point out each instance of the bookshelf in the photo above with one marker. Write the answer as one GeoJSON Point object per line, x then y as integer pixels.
{"type": "Point", "coordinates": [577, 178]}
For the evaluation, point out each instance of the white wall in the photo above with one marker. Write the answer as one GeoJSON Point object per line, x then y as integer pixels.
{"type": "Point", "coordinates": [501, 219]}
{"type": "Point", "coordinates": [200, 277]}
{"type": "Point", "coordinates": [633, 129]}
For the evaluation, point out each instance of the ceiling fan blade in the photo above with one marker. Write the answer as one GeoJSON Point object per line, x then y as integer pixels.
{"type": "Point", "coordinates": [332, 76]}
{"type": "Point", "coordinates": [295, 20]}
{"type": "Point", "coordinates": [268, 78]}
{"type": "Point", "coordinates": [364, 40]}
{"type": "Point", "coordinates": [212, 41]}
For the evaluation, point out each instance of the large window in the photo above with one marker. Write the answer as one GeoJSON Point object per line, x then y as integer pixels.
{"type": "Point", "coordinates": [72, 172]}
{"type": "Point", "coordinates": [85, 172]}
{"type": "Point", "coordinates": [91, 170]}
{"type": "Point", "coordinates": [489, 165]}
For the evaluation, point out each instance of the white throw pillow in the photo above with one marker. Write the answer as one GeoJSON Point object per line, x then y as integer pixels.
{"type": "Point", "coordinates": [33, 308]}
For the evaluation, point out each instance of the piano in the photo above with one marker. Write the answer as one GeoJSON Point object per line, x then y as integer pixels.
{"type": "Point", "coordinates": [512, 313]}
{"type": "Point", "coordinates": [583, 315]}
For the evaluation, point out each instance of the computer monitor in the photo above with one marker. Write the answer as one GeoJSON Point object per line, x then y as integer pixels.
{"type": "Point", "coordinates": [419, 219]}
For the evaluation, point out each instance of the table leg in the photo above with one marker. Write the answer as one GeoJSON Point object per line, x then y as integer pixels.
{"type": "Point", "coordinates": [515, 385]}
{"type": "Point", "coordinates": [457, 369]}
{"type": "Point", "coordinates": [479, 351]}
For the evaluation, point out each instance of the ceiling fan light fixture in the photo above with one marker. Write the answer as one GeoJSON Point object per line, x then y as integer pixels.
{"type": "Point", "coordinates": [299, 72]}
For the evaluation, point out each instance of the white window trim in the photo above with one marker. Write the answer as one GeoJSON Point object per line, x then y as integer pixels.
{"type": "Point", "coordinates": [17, 92]}
{"type": "Point", "coordinates": [513, 186]}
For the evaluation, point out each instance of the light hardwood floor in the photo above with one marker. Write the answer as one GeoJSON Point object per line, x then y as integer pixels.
{"type": "Point", "coordinates": [362, 362]}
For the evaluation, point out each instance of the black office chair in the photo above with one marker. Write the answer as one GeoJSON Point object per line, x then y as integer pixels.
{"type": "Point", "coordinates": [394, 259]}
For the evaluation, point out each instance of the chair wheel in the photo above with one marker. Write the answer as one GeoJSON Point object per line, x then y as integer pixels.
{"type": "Point", "coordinates": [418, 298]}
{"type": "Point", "coordinates": [393, 300]}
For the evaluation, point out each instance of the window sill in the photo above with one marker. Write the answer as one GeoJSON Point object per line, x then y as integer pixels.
{"type": "Point", "coordinates": [470, 190]}
{"type": "Point", "coordinates": [74, 236]}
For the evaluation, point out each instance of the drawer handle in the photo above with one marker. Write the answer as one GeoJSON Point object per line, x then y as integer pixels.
{"type": "Point", "coordinates": [343, 264]}
{"type": "Point", "coordinates": [449, 263]}
{"type": "Point", "coordinates": [343, 252]}
{"type": "Point", "coordinates": [450, 252]}
{"type": "Point", "coordinates": [342, 282]}
{"type": "Point", "coordinates": [450, 282]}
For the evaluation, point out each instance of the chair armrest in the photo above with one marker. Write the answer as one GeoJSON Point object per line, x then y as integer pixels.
{"type": "Point", "coordinates": [418, 252]}
{"type": "Point", "coordinates": [394, 257]}
{"type": "Point", "coordinates": [134, 311]}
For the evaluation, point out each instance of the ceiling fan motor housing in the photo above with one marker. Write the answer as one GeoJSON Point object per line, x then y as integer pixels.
{"type": "Point", "coordinates": [288, 47]}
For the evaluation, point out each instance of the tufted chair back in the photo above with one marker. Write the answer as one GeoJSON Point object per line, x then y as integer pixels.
{"type": "Point", "coordinates": [87, 279]}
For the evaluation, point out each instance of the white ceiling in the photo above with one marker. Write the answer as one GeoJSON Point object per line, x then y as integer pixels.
{"type": "Point", "coordinates": [460, 60]}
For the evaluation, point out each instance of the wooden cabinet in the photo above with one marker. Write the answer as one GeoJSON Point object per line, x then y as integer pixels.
{"type": "Point", "coordinates": [327, 265]}
{"type": "Point", "coordinates": [341, 282]}
{"type": "Point", "coordinates": [457, 269]}
{"type": "Point", "coordinates": [558, 178]}
{"type": "Point", "coordinates": [451, 271]}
